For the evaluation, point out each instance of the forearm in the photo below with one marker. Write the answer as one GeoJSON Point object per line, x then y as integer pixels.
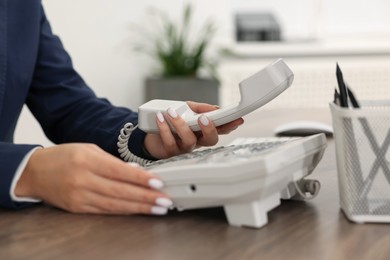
{"type": "Point", "coordinates": [92, 120]}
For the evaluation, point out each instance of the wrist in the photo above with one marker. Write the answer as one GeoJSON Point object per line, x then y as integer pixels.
{"type": "Point", "coordinates": [25, 185]}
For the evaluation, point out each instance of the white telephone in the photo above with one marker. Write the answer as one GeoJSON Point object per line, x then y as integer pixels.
{"type": "Point", "coordinates": [255, 91]}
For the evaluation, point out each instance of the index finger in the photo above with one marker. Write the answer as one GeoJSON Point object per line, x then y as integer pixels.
{"type": "Point", "coordinates": [223, 129]}
{"type": "Point", "coordinates": [229, 127]}
{"type": "Point", "coordinates": [201, 107]}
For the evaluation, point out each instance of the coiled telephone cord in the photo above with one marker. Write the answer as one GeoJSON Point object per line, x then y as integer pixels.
{"type": "Point", "coordinates": [123, 146]}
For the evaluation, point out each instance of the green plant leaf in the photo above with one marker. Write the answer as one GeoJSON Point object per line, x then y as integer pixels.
{"type": "Point", "coordinates": [171, 47]}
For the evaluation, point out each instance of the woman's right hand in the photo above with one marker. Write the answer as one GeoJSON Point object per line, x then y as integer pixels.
{"type": "Point", "coordinates": [82, 178]}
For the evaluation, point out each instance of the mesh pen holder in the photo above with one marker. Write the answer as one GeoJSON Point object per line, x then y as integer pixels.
{"type": "Point", "coordinates": [362, 139]}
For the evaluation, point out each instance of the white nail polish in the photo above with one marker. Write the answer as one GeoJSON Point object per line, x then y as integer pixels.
{"type": "Point", "coordinates": [133, 164]}
{"type": "Point", "coordinates": [160, 117]}
{"type": "Point", "coordinates": [164, 202]}
{"type": "Point", "coordinates": [204, 120]}
{"type": "Point", "coordinates": [159, 210]}
{"type": "Point", "coordinates": [172, 112]}
{"type": "Point", "coordinates": [155, 184]}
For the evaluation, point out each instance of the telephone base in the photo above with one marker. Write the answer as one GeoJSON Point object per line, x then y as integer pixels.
{"type": "Point", "coordinates": [248, 178]}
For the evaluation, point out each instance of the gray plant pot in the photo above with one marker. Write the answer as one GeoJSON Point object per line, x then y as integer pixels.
{"type": "Point", "coordinates": [194, 89]}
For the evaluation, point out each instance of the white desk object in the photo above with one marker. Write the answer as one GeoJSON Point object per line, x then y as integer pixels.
{"type": "Point", "coordinates": [248, 181]}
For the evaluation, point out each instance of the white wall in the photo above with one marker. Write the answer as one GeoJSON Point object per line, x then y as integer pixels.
{"type": "Point", "coordinates": [349, 17]}
{"type": "Point", "coordinates": [97, 35]}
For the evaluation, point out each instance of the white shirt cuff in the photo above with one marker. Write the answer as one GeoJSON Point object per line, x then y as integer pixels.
{"type": "Point", "coordinates": [16, 178]}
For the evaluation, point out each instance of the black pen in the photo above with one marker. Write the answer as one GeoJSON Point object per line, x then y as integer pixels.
{"type": "Point", "coordinates": [343, 90]}
{"type": "Point", "coordinates": [336, 97]}
{"type": "Point", "coordinates": [352, 98]}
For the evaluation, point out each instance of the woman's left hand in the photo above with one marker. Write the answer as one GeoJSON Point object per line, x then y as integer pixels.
{"type": "Point", "coordinates": [166, 143]}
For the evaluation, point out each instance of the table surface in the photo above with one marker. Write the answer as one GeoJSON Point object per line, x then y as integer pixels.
{"type": "Point", "coordinates": [315, 229]}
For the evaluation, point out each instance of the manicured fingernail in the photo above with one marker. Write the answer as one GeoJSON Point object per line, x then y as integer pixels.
{"type": "Point", "coordinates": [216, 106]}
{"type": "Point", "coordinates": [164, 202]}
{"type": "Point", "coordinates": [160, 117]}
{"type": "Point", "coordinates": [172, 112]}
{"type": "Point", "coordinates": [204, 120]}
{"type": "Point", "coordinates": [156, 184]}
{"type": "Point", "coordinates": [159, 210]}
{"type": "Point", "coordinates": [133, 164]}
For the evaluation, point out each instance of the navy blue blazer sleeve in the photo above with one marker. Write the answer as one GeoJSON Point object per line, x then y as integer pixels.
{"type": "Point", "coordinates": [64, 105]}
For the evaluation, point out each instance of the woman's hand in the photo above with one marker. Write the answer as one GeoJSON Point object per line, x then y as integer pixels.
{"type": "Point", "coordinates": [166, 144]}
{"type": "Point", "coordinates": [82, 178]}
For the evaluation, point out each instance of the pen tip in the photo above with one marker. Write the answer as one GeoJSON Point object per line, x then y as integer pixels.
{"type": "Point", "coordinates": [338, 70]}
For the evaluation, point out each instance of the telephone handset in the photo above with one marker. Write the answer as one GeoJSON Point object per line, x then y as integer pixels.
{"type": "Point", "coordinates": [255, 91]}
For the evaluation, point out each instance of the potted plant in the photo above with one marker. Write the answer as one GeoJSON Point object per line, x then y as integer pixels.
{"type": "Point", "coordinates": [181, 57]}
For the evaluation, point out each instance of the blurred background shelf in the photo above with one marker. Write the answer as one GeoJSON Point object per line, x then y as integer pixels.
{"type": "Point", "coordinates": [338, 47]}
{"type": "Point", "coordinates": [365, 63]}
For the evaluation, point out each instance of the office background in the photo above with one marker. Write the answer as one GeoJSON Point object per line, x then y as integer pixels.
{"type": "Point", "coordinates": [98, 35]}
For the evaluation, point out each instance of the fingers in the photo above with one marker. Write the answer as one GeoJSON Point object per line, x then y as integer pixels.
{"type": "Point", "coordinates": [167, 138]}
{"type": "Point", "coordinates": [186, 135]}
{"type": "Point", "coordinates": [184, 140]}
{"type": "Point", "coordinates": [100, 204]}
{"type": "Point", "coordinates": [187, 140]}
{"type": "Point", "coordinates": [229, 127]}
{"type": "Point", "coordinates": [201, 107]}
{"type": "Point", "coordinates": [116, 206]}
{"type": "Point", "coordinates": [127, 192]}
{"type": "Point", "coordinates": [209, 136]}
{"type": "Point", "coordinates": [102, 192]}
{"type": "Point", "coordinates": [119, 181]}
{"type": "Point", "coordinates": [113, 168]}
{"type": "Point", "coordinates": [204, 107]}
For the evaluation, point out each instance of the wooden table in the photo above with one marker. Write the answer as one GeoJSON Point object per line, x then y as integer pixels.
{"type": "Point", "coordinates": [316, 229]}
